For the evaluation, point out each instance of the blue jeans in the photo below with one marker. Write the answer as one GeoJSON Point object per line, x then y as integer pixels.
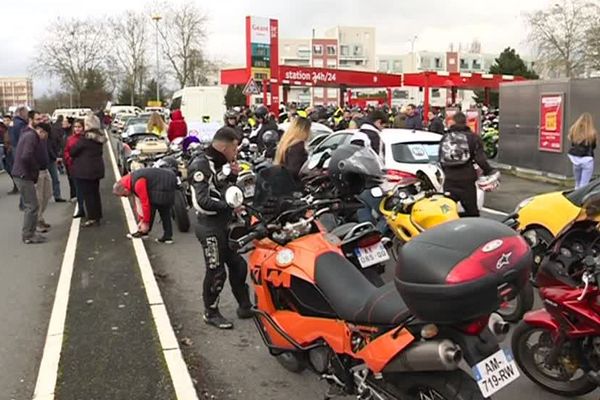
{"type": "Point", "coordinates": [53, 170]}
{"type": "Point", "coordinates": [583, 169]}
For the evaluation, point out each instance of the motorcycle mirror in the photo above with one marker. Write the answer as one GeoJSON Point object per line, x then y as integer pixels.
{"type": "Point", "coordinates": [376, 192]}
{"type": "Point", "coordinates": [226, 169]}
{"type": "Point", "coordinates": [234, 197]}
{"type": "Point", "coordinates": [591, 204]}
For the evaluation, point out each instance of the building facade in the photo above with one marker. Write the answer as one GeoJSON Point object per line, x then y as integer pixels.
{"type": "Point", "coordinates": [451, 61]}
{"type": "Point", "coordinates": [340, 47]}
{"type": "Point", "coordinates": [15, 92]}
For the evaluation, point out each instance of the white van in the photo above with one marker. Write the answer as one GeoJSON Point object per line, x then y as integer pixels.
{"type": "Point", "coordinates": [114, 110]}
{"type": "Point", "coordinates": [70, 113]}
{"type": "Point", "coordinates": [203, 108]}
{"type": "Point", "coordinates": [204, 104]}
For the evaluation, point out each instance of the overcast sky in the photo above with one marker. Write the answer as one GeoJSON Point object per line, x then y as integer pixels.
{"type": "Point", "coordinates": [437, 23]}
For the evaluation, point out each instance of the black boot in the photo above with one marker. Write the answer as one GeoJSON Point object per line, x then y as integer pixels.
{"type": "Point", "coordinates": [214, 318]}
{"type": "Point", "coordinates": [242, 295]}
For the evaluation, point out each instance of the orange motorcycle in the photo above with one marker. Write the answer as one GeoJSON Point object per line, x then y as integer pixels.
{"type": "Point", "coordinates": [405, 339]}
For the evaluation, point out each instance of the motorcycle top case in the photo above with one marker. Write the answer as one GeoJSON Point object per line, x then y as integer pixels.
{"type": "Point", "coordinates": [454, 272]}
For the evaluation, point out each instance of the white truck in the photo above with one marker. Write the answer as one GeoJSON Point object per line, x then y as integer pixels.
{"type": "Point", "coordinates": [203, 108]}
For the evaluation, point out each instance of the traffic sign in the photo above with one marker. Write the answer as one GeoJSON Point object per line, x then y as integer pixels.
{"type": "Point", "coordinates": [251, 87]}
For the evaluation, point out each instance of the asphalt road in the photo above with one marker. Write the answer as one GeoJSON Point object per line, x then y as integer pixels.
{"type": "Point", "coordinates": [28, 277]}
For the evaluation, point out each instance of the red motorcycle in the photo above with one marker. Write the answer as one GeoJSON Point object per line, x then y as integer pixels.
{"type": "Point", "coordinates": [558, 347]}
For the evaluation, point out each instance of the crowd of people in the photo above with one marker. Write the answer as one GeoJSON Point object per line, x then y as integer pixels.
{"type": "Point", "coordinates": [36, 152]}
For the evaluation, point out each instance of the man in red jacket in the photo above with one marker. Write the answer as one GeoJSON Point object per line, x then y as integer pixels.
{"type": "Point", "coordinates": [154, 188]}
{"type": "Point", "coordinates": [177, 127]}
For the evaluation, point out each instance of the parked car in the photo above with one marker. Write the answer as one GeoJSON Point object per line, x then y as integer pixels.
{"type": "Point", "coordinates": [318, 133]}
{"type": "Point", "coordinates": [406, 154]}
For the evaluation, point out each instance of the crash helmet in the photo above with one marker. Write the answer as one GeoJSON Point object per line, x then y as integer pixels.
{"type": "Point", "coordinates": [270, 138]}
{"type": "Point", "coordinates": [231, 114]}
{"type": "Point", "coordinates": [167, 162]}
{"type": "Point", "coordinates": [353, 168]}
{"type": "Point", "coordinates": [261, 112]}
{"type": "Point", "coordinates": [188, 141]}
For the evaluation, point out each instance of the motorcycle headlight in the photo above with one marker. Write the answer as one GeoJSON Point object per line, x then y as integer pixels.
{"type": "Point", "coordinates": [523, 204]}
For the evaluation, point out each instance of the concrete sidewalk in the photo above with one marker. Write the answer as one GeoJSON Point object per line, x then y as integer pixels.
{"type": "Point", "coordinates": [28, 277]}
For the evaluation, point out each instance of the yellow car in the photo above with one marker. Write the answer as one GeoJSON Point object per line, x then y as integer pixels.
{"type": "Point", "coordinates": [543, 216]}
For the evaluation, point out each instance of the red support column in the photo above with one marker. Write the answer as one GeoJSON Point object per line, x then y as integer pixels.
{"type": "Point", "coordinates": [265, 84]}
{"type": "Point", "coordinates": [350, 97]}
{"type": "Point", "coordinates": [389, 97]}
{"type": "Point", "coordinates": [286, 90]}
{"type": "Point", "coordinates": [426, 99]}
{"type": "Point", "coordinates": [486, 95]}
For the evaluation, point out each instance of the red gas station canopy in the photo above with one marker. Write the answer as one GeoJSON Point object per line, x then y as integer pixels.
{"type": "Point", "coordinates": [320, 77]}
{"type": "Point", "coordinates": [461, 80]}
{"type": "Point", "coordinates": [328, 77]}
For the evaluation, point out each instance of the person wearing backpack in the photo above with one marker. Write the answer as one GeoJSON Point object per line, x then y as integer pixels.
{"type": "Point", "coordinates": [459, 150]}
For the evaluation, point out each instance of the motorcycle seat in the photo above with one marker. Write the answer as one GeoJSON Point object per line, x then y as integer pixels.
{"type": "Point", "coordinates": [353, 297]}
{"type": "Point", "coordinates": [342, 230]}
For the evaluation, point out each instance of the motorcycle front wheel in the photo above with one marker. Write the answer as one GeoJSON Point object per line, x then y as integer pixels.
{"type": "Point", "coordinates": [532, 347]}
{"type": "Point", "coordinates": [452, 385]}
{"type": "Point", "coordinates": [180, 212]}
{"type": "Point", "coordinates": [513, 310]}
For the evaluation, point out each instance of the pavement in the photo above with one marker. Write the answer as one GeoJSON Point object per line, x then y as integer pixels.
{"type": "Point", "coordinates": [111, 349]}
{"type": "Point", "coordinates": [28, 277]}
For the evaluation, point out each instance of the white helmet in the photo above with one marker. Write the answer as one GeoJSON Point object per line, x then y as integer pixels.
{"type": "Point", "coordinates": [489, 183]}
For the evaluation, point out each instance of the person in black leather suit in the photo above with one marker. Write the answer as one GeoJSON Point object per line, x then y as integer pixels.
{"type": "Point", "coordinates": [210, 173]}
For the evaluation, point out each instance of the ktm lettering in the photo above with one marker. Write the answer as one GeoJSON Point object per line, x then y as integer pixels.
{"type": "Point", "coordinates": [278, 278]}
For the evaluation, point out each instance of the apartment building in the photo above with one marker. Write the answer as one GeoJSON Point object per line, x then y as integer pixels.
{"type": "Point", "coordinates": [340, 47]}
{"type": "Point", "coordinates": [15, 91]}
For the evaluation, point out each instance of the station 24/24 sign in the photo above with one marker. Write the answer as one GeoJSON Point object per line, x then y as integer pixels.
{"type": "Point", "coordinates": [551, 122]}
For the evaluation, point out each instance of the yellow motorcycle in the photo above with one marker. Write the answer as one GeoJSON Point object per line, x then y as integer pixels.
{"type": "Point", "coordinates": [408, 211]}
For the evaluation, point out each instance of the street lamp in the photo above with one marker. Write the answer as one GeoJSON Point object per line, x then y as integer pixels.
{"type": "Point", "coordinates": [157, 18]}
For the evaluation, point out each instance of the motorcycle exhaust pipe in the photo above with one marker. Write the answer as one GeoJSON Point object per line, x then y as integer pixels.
{"type": "Point", "coordinates": [433, 355]}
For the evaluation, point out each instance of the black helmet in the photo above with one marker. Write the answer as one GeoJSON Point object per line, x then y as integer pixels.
{"type": "Point", "coordinates": [270, 138]}
{"type": "Point", "coordinates": [168, 162]}
{"type": "Point", "coordinates": [230, 114]}
{"type": "Point", "coordinates": [261, 112]}
{"type": "Point", "coordinates": [353, 169]}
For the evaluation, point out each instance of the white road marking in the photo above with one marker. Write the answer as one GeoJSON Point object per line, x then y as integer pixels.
{"type": "Point", "coordinates": [495, 212]}
{"type": "Point", "coordinates": [180, 375]}
{"type": "Point", "coordinates": [46, 380]}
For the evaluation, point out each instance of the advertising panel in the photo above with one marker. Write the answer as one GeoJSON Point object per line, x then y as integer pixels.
{"type": "Point", "coordinates": [551, 122]}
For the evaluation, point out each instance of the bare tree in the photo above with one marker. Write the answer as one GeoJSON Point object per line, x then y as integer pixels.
{"type": "Point", "coordinates": [129, 49]}
{"type": "Point", "coordinates": [182, 37]}
{"type": "Point", "coordinates": [71, 48]}
{"type": "Point", "coordinates": [593, 44]}
{"type": "Point", "coordinates": [559, 35]}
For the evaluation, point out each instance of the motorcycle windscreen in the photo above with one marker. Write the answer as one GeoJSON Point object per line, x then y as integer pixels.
{"type": "Point", "coordinates": [274, 185]}
{"type": "Point", "coordinates": [590, 211]}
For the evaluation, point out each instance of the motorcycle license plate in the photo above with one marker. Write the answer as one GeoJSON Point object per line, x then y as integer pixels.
{"type": "Point", "coordinates": [249, 191]}
{"type": "Point", "coordinates": [372, 255]}
{"type": "Point", "coordinates": [496, 372]}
